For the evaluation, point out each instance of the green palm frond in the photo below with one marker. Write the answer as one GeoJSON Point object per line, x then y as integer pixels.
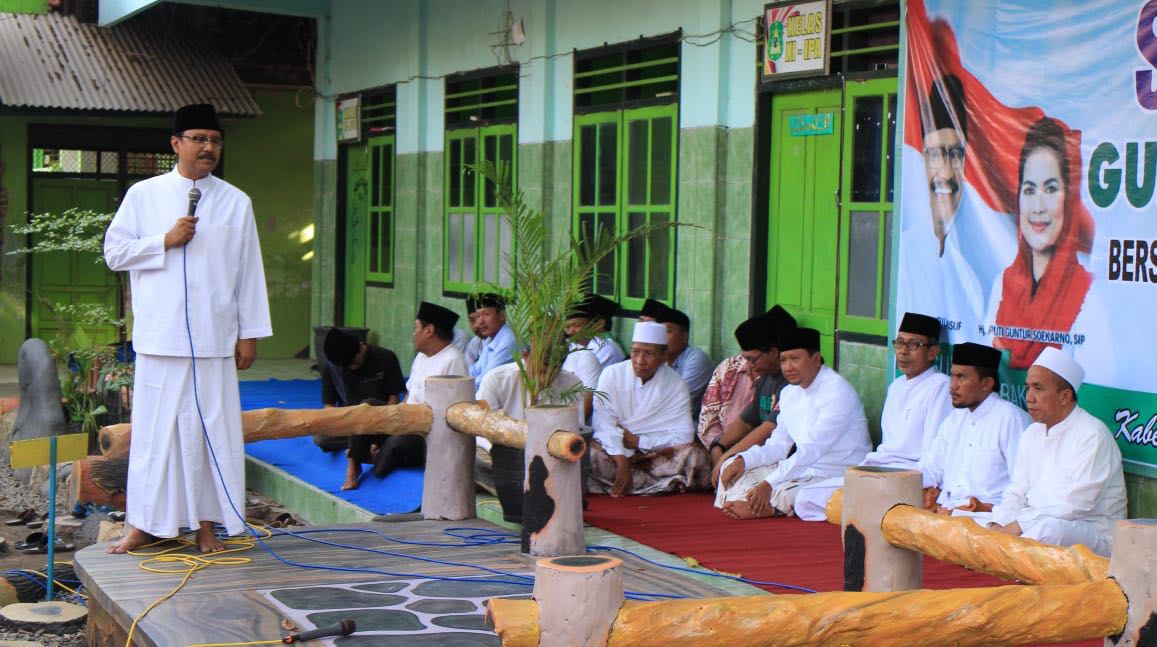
{"type": "Point", "coordinates": [548, 283]}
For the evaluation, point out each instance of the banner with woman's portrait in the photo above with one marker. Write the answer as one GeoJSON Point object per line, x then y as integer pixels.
{"type": "Point", "coordinates": [1028, 202]}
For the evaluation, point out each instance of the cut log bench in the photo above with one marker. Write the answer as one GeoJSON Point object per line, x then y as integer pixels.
{"type": "Point", "coordinates": [450, 421]}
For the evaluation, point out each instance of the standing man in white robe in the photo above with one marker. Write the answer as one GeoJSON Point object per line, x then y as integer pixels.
{"type": "Point", "coordinates": [644, 440]}
{"type": "Point", "coordinates": [1068, 486]}
{"type": "Point", "coordinates": [967, 466]}
{"type": "Point", "coordinates": [199, 306]}
{"type": "Point", "coordinates": [437, 355]}
{"type": "Point", "coordinates": [820, 414]}
{"type": "Point", "coordinates": [916, 403]}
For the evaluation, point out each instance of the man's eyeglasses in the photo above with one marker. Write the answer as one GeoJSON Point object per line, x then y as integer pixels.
{"type": "Point", "coordinates": [909, 344]}
{"type": "Point", "coordinates": [935, 156]}
{"type": "Point", "coordinates": [203, 140]}
{"type": "Point", "coordinates": [752, 359]}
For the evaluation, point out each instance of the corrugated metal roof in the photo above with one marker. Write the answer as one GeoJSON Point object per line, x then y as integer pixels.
{"type": "Point", "coordinates": [55, 61]}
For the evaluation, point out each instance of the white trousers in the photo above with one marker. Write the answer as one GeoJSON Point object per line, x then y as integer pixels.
{"type": "Point", "coordinates": [176, 479]}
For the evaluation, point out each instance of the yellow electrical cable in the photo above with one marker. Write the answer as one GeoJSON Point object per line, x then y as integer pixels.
{"type": "Point", "coordinates": [192, 564]}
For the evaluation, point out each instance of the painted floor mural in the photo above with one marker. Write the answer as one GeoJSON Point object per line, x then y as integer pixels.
{"type": "Point", "coordinates": [422, 613]}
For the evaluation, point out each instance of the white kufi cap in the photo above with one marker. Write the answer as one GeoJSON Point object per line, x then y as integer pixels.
{"type": "Point", "coordinates": [1058, 362]}
{"type": "Point", "coordinates": [650, 332]}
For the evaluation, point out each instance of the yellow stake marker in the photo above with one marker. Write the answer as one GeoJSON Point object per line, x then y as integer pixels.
{"type": "Point", "coordinates": [36, 451]}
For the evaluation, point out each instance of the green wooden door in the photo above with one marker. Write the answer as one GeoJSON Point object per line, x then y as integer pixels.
{"type": "Point", "coordinates": [356, 243]}
{"type": "Point", "coordinates": [803, 232]}
{"type": "Point", "coordinates": [70, 278]}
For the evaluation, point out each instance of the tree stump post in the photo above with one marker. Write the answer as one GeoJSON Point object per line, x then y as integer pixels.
{"type": "Point", "coordinates": [870, 562]}
{"type": "Point", "coordinates": [552, 514]}
{"type": "Point", "coordinates": [1134, 566]}
{"type": "Point", "coordinates": [578, 598]}
{"type": "Point", "coordinates": [448, 482]}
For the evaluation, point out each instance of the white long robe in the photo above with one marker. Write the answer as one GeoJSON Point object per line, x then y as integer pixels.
{"type": "Point", "coordinates": [171, 471]}
{"type": "Point", "coordinates": [913, 410]}
{"type": "Point", "coordinates": [447, 361]}
{"type": "Point", "coordinates": [502, 389]}
{"type": "Point", "coordinates": [825, 422]}
{"type": "Point", "coordinates": [585, 365]}
{"type": "Point", "coordinates": [658, 411]}
{"type": "Point", "coordinates": [1068, 485]}
{"type": "Point", "coordinates": [974, 452]}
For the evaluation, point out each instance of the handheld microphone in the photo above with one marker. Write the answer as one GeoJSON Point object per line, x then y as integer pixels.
{"type": "Point", "coordinates": [194, 198]}
{"type": "Point", "coordinates": [343, 628]}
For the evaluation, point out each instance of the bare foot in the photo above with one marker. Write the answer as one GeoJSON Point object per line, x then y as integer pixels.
{"type": "Point", "coordinates": [207, 540]}
{"type": "Point", "coordinates": [133, 539]}
{"type": "Point", "coordinates": [741, 510]}
{"type": "Point", "coordinates": [353, 472]}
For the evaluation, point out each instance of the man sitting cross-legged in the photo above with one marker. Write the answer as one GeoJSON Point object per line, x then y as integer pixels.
{"type": "Point", "coordinates": [916, 403]}
{"type": "Point", "coordinates": [967, 466]}
{"type": "Point", "coordinates": [820, 414]}
{"type": "Point", "coordinates": [644, 440]}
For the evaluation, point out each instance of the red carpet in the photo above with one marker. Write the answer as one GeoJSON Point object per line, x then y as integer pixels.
{"type": "Point", "coordinates": [786, 550]}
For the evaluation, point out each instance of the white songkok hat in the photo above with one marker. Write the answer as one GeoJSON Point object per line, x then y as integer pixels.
{"type": "Point", "coordinates": [650, 332]}
{"type": "Point", "coordinates": [1056, 361]}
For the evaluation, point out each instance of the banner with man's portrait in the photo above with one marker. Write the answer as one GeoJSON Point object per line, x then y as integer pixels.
{"type": "Point", "coordinates": [1028, 206]}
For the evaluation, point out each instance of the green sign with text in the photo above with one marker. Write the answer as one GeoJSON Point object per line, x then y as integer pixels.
{"type": "Point", "coordinates": [818, 124]}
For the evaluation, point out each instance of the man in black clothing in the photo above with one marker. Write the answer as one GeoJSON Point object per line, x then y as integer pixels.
{"type": "Point", "coordinates": [363, 373]}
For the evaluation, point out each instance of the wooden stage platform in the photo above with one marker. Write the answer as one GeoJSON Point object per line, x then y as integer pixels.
{"type": "Point", "coordinates": [249, 602]}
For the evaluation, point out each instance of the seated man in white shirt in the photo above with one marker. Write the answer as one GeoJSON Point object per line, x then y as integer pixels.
{"type": "Point", "coordinates": [502, 389]}
{"type": "Point", "coordinates": [820, 414]}
{"type": "Point", "coordinates": [1067, 486]}
{"type": "Point", "coordinates": [644, 440]}
{"type": "Point", "coordinates": [593, 316]}
{"type": "Point", "coordinates": [967, 466]}
{"type": "Point", "coordinates": [916, 403]}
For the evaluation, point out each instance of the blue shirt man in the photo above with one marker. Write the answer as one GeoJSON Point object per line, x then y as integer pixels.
{"type": "Point", "coordinates": [499, 342]}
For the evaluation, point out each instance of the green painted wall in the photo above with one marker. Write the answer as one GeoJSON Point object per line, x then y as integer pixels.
{"type": "Point", "coordinates": [268, 157]}
{"type": "Point", "coordinates": [865, 366]}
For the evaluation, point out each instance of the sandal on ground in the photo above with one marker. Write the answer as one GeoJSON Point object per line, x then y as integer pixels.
{"type": "Point", "coordinates": [31, 541]}
{"type": "Point", "coordinates": [25, 515]}
{"type": "Point", "coordinates": [42, 548]}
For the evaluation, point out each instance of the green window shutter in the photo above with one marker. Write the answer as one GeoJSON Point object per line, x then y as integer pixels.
{"type": "Point", "coordinates": [477, 236]}
{"type": "Point", "coordinates": [866, 212]}
{"type": "Point", "coordinates": [625, 178]}
{"type": "Point", "coordinates": [380, 221]}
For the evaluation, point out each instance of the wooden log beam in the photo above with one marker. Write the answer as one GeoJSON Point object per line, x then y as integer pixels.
{"type": "Point", "coordinates": [961, 541]}
{"type": "Point", "coordinates": [477, 419]}
{"type": "Point", "coordinates": [100, 480]}
{"type": "Point", "coordinates": [1004, 615]}
{"type": "Point", "coordinates": [266, 424]}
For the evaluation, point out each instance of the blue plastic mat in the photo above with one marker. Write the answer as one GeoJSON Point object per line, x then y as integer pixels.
{"type": "Point", "coordinates": [400, 491]}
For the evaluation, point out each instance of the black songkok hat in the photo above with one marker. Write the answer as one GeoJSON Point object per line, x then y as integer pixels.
{"type": "Point", "coordinates": [652, 309]}
{"type": "Point", "coordinates": [341, 347]}
{"type": "Point", "coordinates": [437, 315]}
{"type": "Point", "coordinates": [946, 101]}
{"type": "Point", "coordinates": [596, 307]}
{"type": "Point", "coordinates": [198, 116]}
{"type": "Point", "coordinates": [918, 324]}
{"type": "Point", "coordinates": [780, 321]}
{"type": "Point", "coordinates": [806, 338]}
{"type": "Point", "coordinates": [755, 334]}
{"type": "Point", "coordinates": [970, 354]}
{"type": "Point", "coordinates": [677, 317]}
{"type": "Point", "coordinates": [485, 300]}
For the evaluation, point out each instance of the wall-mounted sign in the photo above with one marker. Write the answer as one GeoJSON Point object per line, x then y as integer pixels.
{"type": "Point", "coordinates": [795, 39]}
{"type": "Point", "coordinates": [349, 120]}
{"type": "Point", "coordinates": [817, 124]}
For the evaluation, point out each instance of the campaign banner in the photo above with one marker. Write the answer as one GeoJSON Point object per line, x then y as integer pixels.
{"type": "Point", "coordinates": [1027, 213]}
